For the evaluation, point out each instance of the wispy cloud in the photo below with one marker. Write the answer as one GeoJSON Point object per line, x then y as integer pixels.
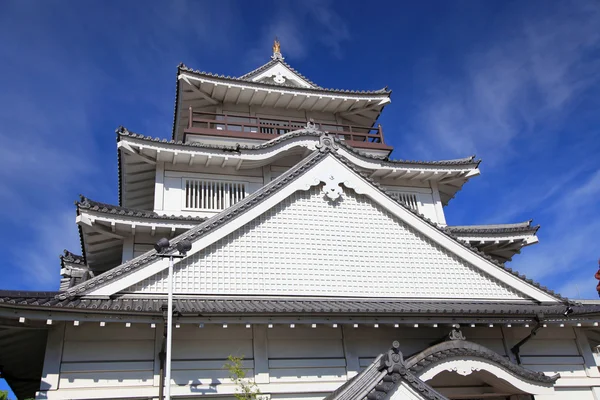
{"type": "Point", "coordinates": [525, 81]}
{"type": "Point", "coordinates": [567, 205]}
{"type": "Point", "coordinates": [513, 103]}
{"type": "Point", "coordinates": [67, 82]}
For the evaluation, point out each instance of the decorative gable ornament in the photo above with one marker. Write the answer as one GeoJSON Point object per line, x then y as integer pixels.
{"type": "Point", "coordinates": [456, 334]}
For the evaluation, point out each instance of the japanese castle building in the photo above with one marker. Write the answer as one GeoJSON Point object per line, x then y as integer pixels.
{"type": "Point", "coordinates": [328, 265]}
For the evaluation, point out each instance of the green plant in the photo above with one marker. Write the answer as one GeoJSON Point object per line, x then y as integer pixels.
{"type": "Point", "coordinates": [246, 389]}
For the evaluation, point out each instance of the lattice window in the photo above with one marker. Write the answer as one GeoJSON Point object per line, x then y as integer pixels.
{"type": "Point", "coordinates": [410, 199]}
{"type": "Point", "coordinates": [207, 194]}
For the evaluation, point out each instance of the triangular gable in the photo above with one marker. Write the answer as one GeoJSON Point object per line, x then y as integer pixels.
{"type": "Point", "coordinates": [310, 246]}
{"type": "Point", "coordinates": [328, 172]}
{"type": "Point", "coordinates": [278, 72]}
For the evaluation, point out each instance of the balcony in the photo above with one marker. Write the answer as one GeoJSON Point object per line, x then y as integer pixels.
{"type": "Point", "coordinates": [260, 128]}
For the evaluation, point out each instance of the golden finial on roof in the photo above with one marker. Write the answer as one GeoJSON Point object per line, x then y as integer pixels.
{"type": "Point", "coordinates": [276, 50]}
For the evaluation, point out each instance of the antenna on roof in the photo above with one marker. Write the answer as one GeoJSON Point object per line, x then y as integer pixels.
{"type": "Point", "coordinates": [276, 50]}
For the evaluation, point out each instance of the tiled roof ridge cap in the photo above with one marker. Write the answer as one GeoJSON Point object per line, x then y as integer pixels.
{"type": "Point", "coordinates": [383, 91]}
{"type": "Point", "coordinates": [524, 227]}
{"type": "Point", "coordinates": [88, 204]}
{"type": "Point", "coordinates": [454, 348]}
{"type": "Point", "coordinates": [382, 377]}
{"type": "Point", "coordinates": [71, 257]}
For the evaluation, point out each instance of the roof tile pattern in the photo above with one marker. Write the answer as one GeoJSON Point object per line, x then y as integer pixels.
{"type": "Point", "coordinates": [380, 379]}
{"type": "Point", "coordinates": [91, 205]}
{"type": "Point", "coordinates": [463, 349]}
{"type": "Point", "coordinates": [520, 227]}
{"type": "Point", "coordinates": [466, 161]}
{"type": "Point", "coordinates": [71, 258]}
{"type": "Point", "coordinates": [246, 78]}
{"type": "Point", "coordinates": [295, 306]}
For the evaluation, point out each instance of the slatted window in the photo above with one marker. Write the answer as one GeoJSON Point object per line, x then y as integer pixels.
{"type": "Point", "coordinates": [206, 194]}
{"type": "Point", "coordinates": [410, 199]}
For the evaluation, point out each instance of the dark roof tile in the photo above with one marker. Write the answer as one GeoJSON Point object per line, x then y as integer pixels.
{"type": "Point", "coordinates": [305, 306]}
{"type": "Point", "coordinates": [122, 131]}
{"type": "Point", "coordinates": [247, 78]}
{"type": "Point", "coordinates": [91, 205]}
{"type": "Point", "coordinates": [520, 227]}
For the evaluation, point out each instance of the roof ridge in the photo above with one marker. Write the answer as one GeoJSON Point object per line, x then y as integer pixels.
{"type": "Point", "coordinates": [184, 68]}
{"type": "Point", "coordinates": [461, 347]}
{"type": "Point", "coordinates": [92, 205]}
{"type": "Point", "coordinates": [122, 131]}
{"type": "Point", "coordinates": [72, 258]}
{"type": "Point", "coordinates": [524, 227]}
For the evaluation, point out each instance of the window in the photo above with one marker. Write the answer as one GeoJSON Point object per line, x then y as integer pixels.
{"type": "Point", "coordinates": [206, 194]}
{"type": "Point", "coordinates": [410, 199]}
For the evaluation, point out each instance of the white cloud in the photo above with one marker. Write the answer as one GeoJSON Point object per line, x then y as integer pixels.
{"type": "Point", "coordinates": [513, 104]}
{"type": "Point", "coordinates": [513, 87]}
{"type": "Point", "coordinates": [567, 253]}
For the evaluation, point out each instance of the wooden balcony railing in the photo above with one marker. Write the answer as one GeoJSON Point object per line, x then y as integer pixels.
{"type": "Point", "coordinates": [265, 128]}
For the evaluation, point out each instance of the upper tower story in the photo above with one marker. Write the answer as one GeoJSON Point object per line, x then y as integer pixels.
{"type": "Point", "coordinates": [272, 100]}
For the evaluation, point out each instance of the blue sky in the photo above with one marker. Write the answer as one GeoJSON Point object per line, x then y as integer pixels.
{"type": "Point", "coordinates": [516, 83]}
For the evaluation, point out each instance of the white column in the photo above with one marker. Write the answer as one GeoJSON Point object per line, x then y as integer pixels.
{"type": "Point", "coordinates": [169, 332]}
{"type": "Point", "coordinates": [53, 357]}
{"type": "Point", "coordinates": [159, 186]}
{"type": "Point", "coordinates": [591, 369]}
{"type": "Point", "coordinates": [128, 243]}
{"type": "Point", "coordinates": [261, 354]}
{"type": "Point", "coordinates": [437, 203]}
{"type": "Point", "coordinates": [350, 352]}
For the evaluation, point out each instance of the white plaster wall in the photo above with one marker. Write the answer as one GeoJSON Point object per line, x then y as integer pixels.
{"type": "Point", "coordinates": [302, 363]}
{"type": "Point", "coordinates": [108, 356]}
{"type": "Point", "coordinates": [359, 250]}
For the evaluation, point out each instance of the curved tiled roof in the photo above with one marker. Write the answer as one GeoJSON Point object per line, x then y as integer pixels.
{"type": "Point", "coordinates": [122, 131]}
{"type": "Point", "coordinates": [316, 89]}
{"type": "Point", "coordinates": [71, 258]}
{"type": "Point", "coordinates": [381, 378]}
{"type": "Point", "coordinates": [463, 348]}
{"type": "Point", "coordinates": [91, 205]}
{"type": "Point", "coordinates": [486, 311]}
{"type": "Point", "coordinates": [247, 306]}
{"type": "Point", "coordinates": [520, 227]}
{"type": "Point", "coordinates": [259, 196]}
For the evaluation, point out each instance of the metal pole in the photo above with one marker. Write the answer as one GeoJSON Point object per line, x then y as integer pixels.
{"type": "Point", "coordinates": [169, 331]}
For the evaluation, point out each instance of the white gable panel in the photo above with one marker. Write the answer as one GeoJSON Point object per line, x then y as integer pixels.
{"type": "Point", "coordinates": [281, 71]}
{"type": "Point", "coordinates": [307, 245]}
